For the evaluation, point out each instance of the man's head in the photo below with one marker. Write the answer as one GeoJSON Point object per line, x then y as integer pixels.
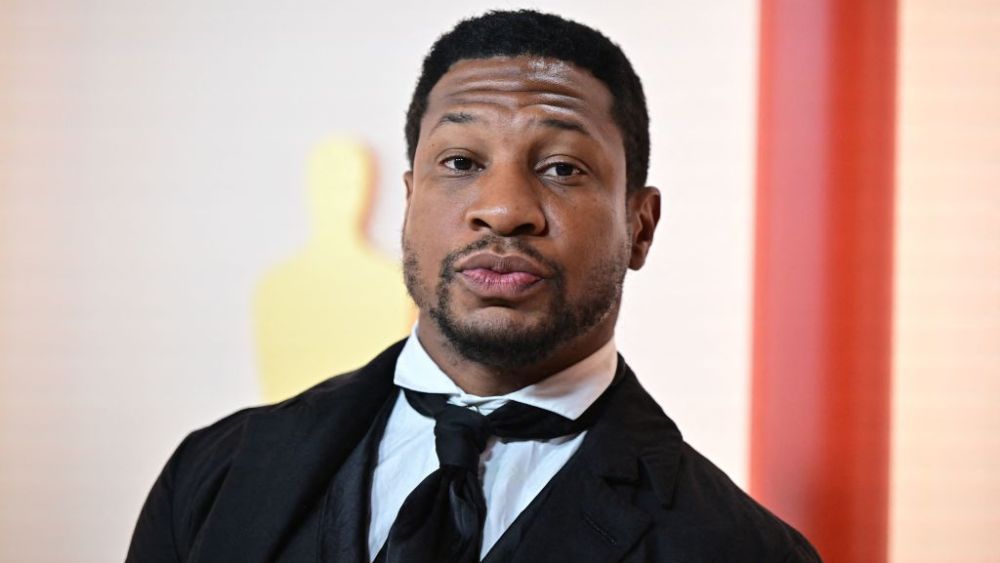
{"type": "Point", "coordinates": [528, 142]}
{"type": "Point", "coordinates": [526, 32]}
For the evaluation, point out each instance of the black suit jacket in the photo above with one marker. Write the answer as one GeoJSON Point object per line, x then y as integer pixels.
{"type": "Point", "coordinates": [634, 491]}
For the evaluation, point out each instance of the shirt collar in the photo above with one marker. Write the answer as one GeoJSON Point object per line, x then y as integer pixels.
{"type": "Point", "coordinates": [569, 392]}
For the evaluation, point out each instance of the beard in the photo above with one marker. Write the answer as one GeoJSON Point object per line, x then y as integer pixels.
{"type": "Point", "coordinates": [500, 345]}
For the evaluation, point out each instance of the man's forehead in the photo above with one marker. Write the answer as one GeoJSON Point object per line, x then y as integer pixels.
{"type": "Point", "coordinates": [522, 81]}
{"type": "Point", "coordinates": [527, 67]}
{"type": "Point", "coordinates": [526, 74]}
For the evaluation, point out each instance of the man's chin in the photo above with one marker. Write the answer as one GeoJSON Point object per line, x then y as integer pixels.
{"type": "Point", "coordinates": [501, 337]}
{"type": "Point", "coordinates": [500, 318]}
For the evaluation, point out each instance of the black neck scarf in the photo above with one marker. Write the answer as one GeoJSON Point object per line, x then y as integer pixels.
{"type": "Point", "coordinates": [442, 518]}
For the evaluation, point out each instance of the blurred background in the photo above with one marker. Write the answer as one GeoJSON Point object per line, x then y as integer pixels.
{"type": "Point", "coordinates": [200, 208]}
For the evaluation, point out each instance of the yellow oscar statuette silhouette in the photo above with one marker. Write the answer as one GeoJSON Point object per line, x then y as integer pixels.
{"type": "Point", "coordinates": [338, 301]}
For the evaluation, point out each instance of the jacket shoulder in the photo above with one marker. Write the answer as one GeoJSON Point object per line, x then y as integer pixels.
{"type": "Point", "coordinates": [212, 446]}
{"type": "Point", "coordinates": [697, 513]}
{"type": "Point", "coordinates": [710, 513]}
{"type": "Point", "coordinates": [219, 440]}
{"type": "Point", "coordinates": [184, 493]}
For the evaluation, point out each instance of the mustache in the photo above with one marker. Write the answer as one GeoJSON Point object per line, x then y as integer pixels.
{"type": "Point", "coordinates": [500, 245]}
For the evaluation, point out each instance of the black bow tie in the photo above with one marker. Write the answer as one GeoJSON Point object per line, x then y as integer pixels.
{"type": "Point", "coordinates": [442, 518]}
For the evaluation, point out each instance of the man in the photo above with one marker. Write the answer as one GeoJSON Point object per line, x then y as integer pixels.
{"type": "Point", "coordinates": [506, 428]}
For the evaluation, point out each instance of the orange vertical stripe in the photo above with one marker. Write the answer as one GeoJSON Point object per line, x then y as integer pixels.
{"type": "Point", "coordinates": [823, 271]}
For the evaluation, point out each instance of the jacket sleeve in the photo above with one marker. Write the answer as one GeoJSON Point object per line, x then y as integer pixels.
{"type": "Point", "coordinates": [183, 494]}
{"type": "Point", "coordinates": [153, 540]}
{"type": "Point", "coordinates": [803, 552]}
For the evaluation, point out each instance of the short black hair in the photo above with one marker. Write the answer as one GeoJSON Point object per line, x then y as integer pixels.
{"type": "Point", "coordinates": [527, 32]}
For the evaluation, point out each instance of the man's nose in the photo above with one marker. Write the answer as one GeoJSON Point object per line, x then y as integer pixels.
{"type": "Point", "coordinates": [507, 202]}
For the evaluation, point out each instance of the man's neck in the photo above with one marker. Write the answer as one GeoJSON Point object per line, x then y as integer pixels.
{"type": "Point", "coordinates": [487, 381]}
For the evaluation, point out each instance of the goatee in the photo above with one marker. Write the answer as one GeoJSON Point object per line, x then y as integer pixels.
{"type": "Point", "coordinates": [510, 347]}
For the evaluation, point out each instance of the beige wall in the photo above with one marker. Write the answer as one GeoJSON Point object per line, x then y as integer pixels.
{"type": "Point", "coordinates": [946, 454]}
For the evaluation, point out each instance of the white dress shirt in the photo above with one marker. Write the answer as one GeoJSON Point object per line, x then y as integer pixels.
{"type": "Point", "coordinates": [512, 473]}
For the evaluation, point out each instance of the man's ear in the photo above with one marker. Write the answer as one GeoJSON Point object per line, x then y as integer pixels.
{"type": "Point", "coordinates": [644, 214]}
{"type": "Point", "coordinates": [408, 180]}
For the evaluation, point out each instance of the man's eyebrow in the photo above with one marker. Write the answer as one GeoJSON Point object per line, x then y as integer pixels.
{"type": "Point", "coordinates": [563, 124]}
{"type": "Point", "coordinates": [566, 125]}
{"type": "Point", "coordinates": [456, 117]}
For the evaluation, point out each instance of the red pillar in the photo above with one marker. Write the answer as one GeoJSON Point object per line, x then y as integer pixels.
{"type": "Point", "coordinates": [823, 271]}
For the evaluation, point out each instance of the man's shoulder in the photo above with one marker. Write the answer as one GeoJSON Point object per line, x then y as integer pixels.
{"type": "Point", "coordinates": [374, 378]}
{"type": "Point", "coordinates": [238, 456]}
{"type": "Point", "coordinates": [219, 440]}
{"type": "Point", "coordinates": [709, 508]}
{"type": "Point", "coordinates": [698, 512]}
{"type": "Point", "coordinates": [206, 453]}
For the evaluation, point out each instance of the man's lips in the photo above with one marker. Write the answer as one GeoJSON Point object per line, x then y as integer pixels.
{"type": "Point", "coordinates": [493, 275]}
{"type": "Point", "coordinates": [502, 264]}
{"type": "Point", "coordinates": [484, 276]}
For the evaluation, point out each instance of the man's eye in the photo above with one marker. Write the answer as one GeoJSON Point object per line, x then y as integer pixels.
{"type": "Point", "coordinates": [562, 170]}
{"type": "Point", "coordinates": [459, 163]}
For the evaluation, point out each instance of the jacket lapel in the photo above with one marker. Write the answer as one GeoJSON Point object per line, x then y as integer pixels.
{"type": "Point", "coordinates": [590, 514]}
{"type": "Point", "coordinates": [287, 457]}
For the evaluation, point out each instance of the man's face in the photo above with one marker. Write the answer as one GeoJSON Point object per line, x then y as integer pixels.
{"type": "Point", "coordinates": [518, 231]}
